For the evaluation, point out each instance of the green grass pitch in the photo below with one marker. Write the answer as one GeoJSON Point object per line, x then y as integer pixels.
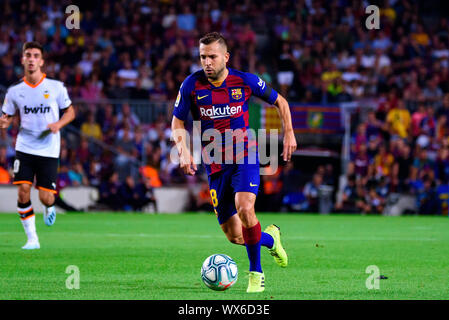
{"type": "Point", "coordinates": [135, 256]}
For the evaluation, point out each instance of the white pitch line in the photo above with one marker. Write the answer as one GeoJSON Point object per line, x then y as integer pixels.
{"type": "Point", "coordinates": [205, 236]}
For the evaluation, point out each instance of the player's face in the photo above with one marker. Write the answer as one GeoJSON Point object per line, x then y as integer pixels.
{"type": "Point", "coordinates": [213, 59]}
{"type": "Point", "coordinates": [32, 60]}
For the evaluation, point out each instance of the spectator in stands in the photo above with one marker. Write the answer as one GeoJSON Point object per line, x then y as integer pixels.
{"type": "Point", "coordinates": [135, 196]}
{"type": "Point", "coordinates": [285, 67]}
{"type": "Point", "coordinates": [106, 117]}
{"type": "Point", "coordinates": [127, 117]}
{"type": "Point", "coordinates": [426, 197]}
{"type": "Point", "coordinates": [399, 120]}
{"type": "Point", "coordinates": [90, 128]}
{"type": "Point", "coordinates": [261, 72]}
{"type": "Point", "coordinates": [186, 21]}
{"type": "Point", "coordinates": [5, 140]}
{"type": "Point", "coordinates": [441, 129]}
{"type": "Point", "coordinates": [383, 189]}
{"type": "Point", "coordinates": [444, 110]}
{"type": "Point", "coordinates": [291, 188]}
{"type": "Point", "coordinates": [311, 192]}
{"type": "Point", "coordinates": [127, 194]}
{"type": "Point", "coordinates": [442, 164]}
{"type": "Point", "coordinates": [361, 164]}
{"type": "Point", "coordinates": [442, 192]}
{"type": "Point", "coordinates": [349, 197]}
{"type": "Point", "coordinates": [383, 163]}
{"type": "Point", "coordinates": [4, 176]}
{"type": "Point", "coordinates": [373, 125]}
{"type": "Point", "coordinates": [94, 173]}
{"type": "Point", "coordinates": [374, 202]}
{"type": "Point", "coordinates": [139, 142]}
{"type": "Point", "coordinates": [4, 165]}
{"type": "Point", "coordinates": [124, 161]}
{"type": "Point", "coordinates": [422, 165]}
{"type": "Point", "coordinates": [109, 193]}
{"type": "Point", "coordinates": [91, 90]}
{"type": "Point", "coordinates": [128, 74]}
{"type": "Point", "coordinates": [77, 176]}
{"type": "Point", "coordinates": [272, 188]}
{"type": "Point", "coordinates": [201, 200]}
{"type": "Point", "coordinates": [151, 176]}
{"type": "Point", "coordinates": [428, 124]}
{"type": "Point", "coordinates": [171, 172]}
{"type": "Point", "coordinates": [158, 92]}
{"type": "Point", "coordinates": [402, 168]}
{"type": "Point", "coordinates": [416, 120]}
{"type": "Point", "coordinates": [83, 152]}
{"type": "Point", "coordinates": [432, 93]}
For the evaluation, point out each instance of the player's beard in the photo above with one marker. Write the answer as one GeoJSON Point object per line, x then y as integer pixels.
{"type": "Point", "coordinates": [217, 74]}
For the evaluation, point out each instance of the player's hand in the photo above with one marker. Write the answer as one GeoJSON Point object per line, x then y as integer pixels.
{"type": "Point", "coordinates": [54, 127]}
{"type": "Point", "coordinates": [4, 122]}
{"type": "Point", "coordinates": [289, 145]}
{"type": "Point", "coordinates": [187, 164]}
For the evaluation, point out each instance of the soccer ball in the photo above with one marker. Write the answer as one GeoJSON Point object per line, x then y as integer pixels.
{"type": "Point", "coordinates": [219, 272]}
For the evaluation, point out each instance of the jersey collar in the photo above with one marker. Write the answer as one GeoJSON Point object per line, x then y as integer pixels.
{"type": "Point", "coordinates": [217, 84]}
{"type": "Point", "coordinates": [35, 85]}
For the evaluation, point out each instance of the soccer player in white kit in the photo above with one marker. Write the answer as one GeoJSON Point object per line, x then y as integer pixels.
{"type": "Point", "coordinates": [38, 100]}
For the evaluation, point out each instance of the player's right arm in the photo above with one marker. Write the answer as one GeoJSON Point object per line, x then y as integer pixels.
{"type": "Point", "coordinates": [186, 162]}
{"type": "Point", "coordinates": [179, 133]}
{"type": "Point", "coordinates": [8, 111]}
{"type": "Point", "coordinates": [5, 121]}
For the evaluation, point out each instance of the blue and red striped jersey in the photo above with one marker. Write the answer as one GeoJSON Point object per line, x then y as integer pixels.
{"type": "Point", "coordinates": [222, 108]}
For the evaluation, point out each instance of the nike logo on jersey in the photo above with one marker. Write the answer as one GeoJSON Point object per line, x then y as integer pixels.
{"type": "Point", "coordinates": [40, 109]}
{"type": "Point", "coordinates": [252, 184]}
{"type": "Point", "coordinates": [199, 97]}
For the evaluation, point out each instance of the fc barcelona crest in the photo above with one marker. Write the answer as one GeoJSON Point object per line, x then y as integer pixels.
{"type": "Point", "coordinates": [236, 93]}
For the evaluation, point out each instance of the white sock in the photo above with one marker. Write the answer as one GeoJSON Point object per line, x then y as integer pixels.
{"type": "Point", "coordinates": [29, 224]}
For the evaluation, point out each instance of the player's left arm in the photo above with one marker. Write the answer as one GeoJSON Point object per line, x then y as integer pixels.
{"type": "Point", "coordinates": [260, 89]}
{"type": "Point", "coordinates": [290, 144]}
{"type": "Point", "coordinates": [67, 117]}
{"type": "Point", "coordinates": [65, 105]}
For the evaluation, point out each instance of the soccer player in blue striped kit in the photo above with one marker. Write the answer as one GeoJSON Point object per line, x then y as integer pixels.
{"type": "Point", "coordinates": [218, 97]}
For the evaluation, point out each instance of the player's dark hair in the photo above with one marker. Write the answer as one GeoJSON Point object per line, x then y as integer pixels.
{"type": "Point", "coordinates": [214, 37]}
{"type": "Point", "coordinates": [33, 45]}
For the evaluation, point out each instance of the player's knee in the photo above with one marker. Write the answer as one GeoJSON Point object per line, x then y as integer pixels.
{"type": "Point", "coordinates": [245, 208]}
{"type": "Point", "coordinates": [46, 198]}
{"type": "Point", "coordinates": [24, 194]}
{"type": "Point", "coordinates": [245, 211]}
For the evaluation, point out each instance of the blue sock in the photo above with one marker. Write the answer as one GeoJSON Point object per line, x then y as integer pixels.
{"type": "Point", "coordinates": [252, 237]}
{"type": "Point", "coordinates": [253, 251]}
{"type": "Point", "coordinates": [266, 240]}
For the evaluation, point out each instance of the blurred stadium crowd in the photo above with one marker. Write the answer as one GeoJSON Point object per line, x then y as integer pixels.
{"type": "Point", "coordinates": [310, 51]}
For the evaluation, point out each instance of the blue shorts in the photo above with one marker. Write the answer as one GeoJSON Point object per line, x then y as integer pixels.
{"type": "Point", "coordinates": [225, 184]}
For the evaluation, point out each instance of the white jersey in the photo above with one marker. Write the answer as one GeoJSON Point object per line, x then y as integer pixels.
{"type": "Point", "coordinates": [38, 106]}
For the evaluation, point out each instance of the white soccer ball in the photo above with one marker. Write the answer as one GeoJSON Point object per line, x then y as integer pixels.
{"type": "Point", "coordinates": [219, 272]}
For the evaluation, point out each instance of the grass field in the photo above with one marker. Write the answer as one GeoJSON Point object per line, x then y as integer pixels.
{"type": "Point", "coordinates": [135, 256]}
